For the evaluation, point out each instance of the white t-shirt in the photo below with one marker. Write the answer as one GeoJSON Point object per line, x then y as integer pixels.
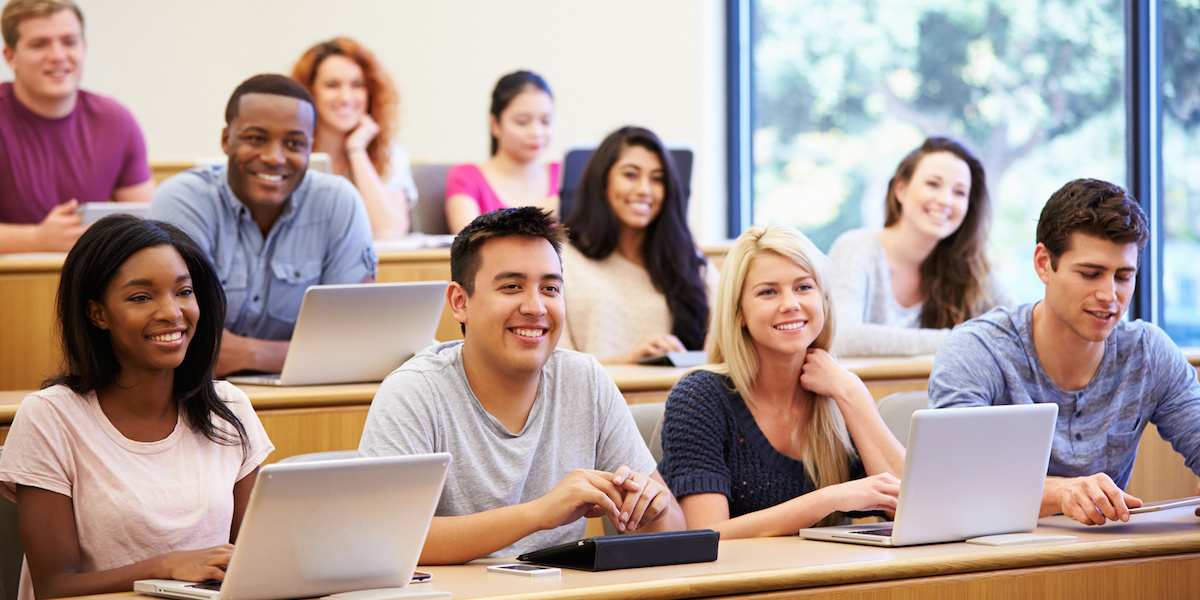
{"type": "Point", "coordinates": [579, 420]}
{"type": "Point", "coordinates": [132, 500]}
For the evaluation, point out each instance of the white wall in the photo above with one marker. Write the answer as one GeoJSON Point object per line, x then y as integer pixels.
{"type": "Point", "coordinates": [659, 64]}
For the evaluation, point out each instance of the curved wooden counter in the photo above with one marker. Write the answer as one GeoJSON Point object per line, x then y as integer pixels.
{"type": "Point", "coordinates": [1155, 556]}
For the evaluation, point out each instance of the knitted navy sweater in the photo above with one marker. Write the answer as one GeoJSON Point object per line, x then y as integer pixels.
{"type": "Point", "coordinates": [711, 444]}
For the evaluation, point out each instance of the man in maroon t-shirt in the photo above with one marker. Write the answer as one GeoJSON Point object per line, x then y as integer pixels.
{"type": "Point", "coordinates": [59, 146]}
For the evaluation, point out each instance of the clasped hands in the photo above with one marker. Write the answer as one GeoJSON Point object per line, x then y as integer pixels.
{"type": "Point", "coordinates": [630, 500]}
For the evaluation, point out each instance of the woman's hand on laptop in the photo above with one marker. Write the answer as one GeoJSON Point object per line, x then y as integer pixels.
{"type": "Point", "coordinates": [877, 492]}
{"type": "Point", "coordinates": [1091, 500]}
{"type": "Point", "coordinates": [644, 498]}
{"type": "Point", "coordinates": [196, 565]}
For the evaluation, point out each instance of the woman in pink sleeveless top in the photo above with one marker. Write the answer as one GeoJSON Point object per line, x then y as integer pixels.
{"type": "Point", "coordinates": [522, 124]}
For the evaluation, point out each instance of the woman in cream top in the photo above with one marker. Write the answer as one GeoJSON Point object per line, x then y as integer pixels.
{"type": "Point", "coordinates": [635, 284]}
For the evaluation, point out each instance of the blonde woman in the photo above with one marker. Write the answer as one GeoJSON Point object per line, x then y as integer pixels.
{"type": "Point", "coordinates": [773, 435]}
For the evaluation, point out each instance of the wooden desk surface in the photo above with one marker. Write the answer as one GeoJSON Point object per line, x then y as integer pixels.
{"type": "Point", "coordinates": [1154, 556]}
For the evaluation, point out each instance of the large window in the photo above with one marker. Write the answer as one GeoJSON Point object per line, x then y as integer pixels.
{"type": "Point", "coordinates": [843, 90]}
{"type": "Point", "coordinates": [1181, 169]}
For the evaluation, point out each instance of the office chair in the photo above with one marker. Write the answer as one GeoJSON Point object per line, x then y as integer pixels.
{"type": "Point", "coordinates": [897, 409]}
{"type": "Point", "coordinates": [429, 216]}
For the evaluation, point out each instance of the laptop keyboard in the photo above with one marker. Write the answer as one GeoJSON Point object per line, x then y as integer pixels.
{"type": "Point", "coordinates": [880, 532]}
{"type": "Point", "coordinates": [211, 584]}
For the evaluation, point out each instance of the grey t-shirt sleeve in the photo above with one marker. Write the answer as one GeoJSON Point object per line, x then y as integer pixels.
{"type": "Point", "coordinates": [395, 425]}
{"type": "Point", "coordinates": [618, 441]}
{"type": "Point", "coordinates": [967, 371]}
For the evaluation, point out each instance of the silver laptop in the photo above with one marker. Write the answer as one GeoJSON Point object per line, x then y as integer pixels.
{"type": "Point", "coordinates": [357, 332]}
{"type": "Point", "coordinates": [94, 211]}
{"type": "Point", "coordinates": [968, 472]}
{"type": "Point", "coordinates": [326, 527]}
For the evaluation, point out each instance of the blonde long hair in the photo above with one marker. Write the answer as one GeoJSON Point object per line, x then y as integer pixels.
{"type": "Point", "coordinates": [732, 353]}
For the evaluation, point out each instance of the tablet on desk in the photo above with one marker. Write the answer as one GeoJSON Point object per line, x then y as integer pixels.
{"type": "Point", "coordinates": [1164, 505]}
{"type": "Point", "coordinates": [689, 358]}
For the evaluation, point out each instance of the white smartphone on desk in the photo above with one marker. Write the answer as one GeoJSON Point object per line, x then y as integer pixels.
{"type": "Point", "coordinates": [526, 570]}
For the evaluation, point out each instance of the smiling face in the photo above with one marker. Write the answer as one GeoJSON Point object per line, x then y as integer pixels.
{"type": "Point", "coordinates": [782, 307]}
{"type": "Point", "coordinates": [340, 91]}
{"type": "Point", "coordinates": [525, 126]}
{"type": "Point", "coordinates": [149, 310]}
{"type": "Point", "coordinates": [268, 144]}
{"type": "Point", "coordinates": [513, 319]}
{"type": "Point", "coordinates": [47, 62]}
{"type": "Point", "coordinates": [935, 201]}
{"type": "Point", "coordinates": [1089, 291]}
{"type": "Point", "coordinates": [636, 188]}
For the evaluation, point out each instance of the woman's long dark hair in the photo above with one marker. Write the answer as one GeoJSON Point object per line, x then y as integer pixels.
{"type": "Point", "coordinates": [952, 276]}
{"type": "Point", "coordinates": [90, 363]}
{"type": "Point", "coordinates": [669, 251]}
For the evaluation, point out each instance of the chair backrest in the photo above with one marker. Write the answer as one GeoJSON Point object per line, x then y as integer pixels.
{"type": "Point", "coordinates": [897, 409]}
{"type": "Point", "coordinates": [11, 551]}
{"type": "Point", "coordinates": [317, 456]}
{"type": "Point", "coordinates": [577, 158]}
{"type": "Point", "coordinates": [430, 213]}
{"type": "Point", "coordinates": [648, 417]}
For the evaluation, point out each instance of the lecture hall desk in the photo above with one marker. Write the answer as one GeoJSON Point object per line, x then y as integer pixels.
{"type": "Point", "coordinates": [1155, 557]}
{"type": "Point", "coordinates": [28, 282]}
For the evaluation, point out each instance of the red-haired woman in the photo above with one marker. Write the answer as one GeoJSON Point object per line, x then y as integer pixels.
{"type": "Point", "coordinates": [356, 125]}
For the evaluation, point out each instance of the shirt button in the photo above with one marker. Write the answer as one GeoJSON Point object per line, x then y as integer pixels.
{"type": "Point", "coordinates": [297, 273]}
{"type": "Point", "coordinates": [256, 298]}
{"type": "Point", "coordinates": [1079, 436]}
{"type": "Point", "coordinates": [1079, 413]}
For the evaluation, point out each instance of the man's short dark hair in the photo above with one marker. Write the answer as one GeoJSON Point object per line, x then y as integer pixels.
{"type": "Point", "coordinates": [270, 83]}
{"type": "Point", "coordinates": [528, 221]}
{"type": "Point", "coordinates": [1092, 207]}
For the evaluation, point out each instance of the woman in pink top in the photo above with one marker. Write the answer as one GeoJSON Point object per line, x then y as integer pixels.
{"type": "Point", "coordinates": [522, 123]}
{"type": "Point", "coordinates": [132, 464]}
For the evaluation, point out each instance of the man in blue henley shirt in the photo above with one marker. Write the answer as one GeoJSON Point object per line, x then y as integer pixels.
{"type": "Point", "coordinates": [1108, 377]}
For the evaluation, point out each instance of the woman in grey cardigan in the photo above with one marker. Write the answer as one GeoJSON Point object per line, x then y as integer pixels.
{"type": "Point", "coordinates": [900, 289]}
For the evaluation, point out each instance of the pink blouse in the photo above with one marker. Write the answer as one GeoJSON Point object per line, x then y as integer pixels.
{"type": "Point", "coordinates": [468, 180]}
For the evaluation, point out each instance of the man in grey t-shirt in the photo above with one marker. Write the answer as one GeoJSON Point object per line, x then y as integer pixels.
{"type": "Point", "coordinates": [1108, 377]}
{"type": "Point", "coordinates": [540, 437]}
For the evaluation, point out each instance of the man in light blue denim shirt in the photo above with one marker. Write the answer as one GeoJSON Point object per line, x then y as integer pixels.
{"type": "Point", "coordinates": [1108, 377]}
{"type": "Point", "coordinates": [271, 228]}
